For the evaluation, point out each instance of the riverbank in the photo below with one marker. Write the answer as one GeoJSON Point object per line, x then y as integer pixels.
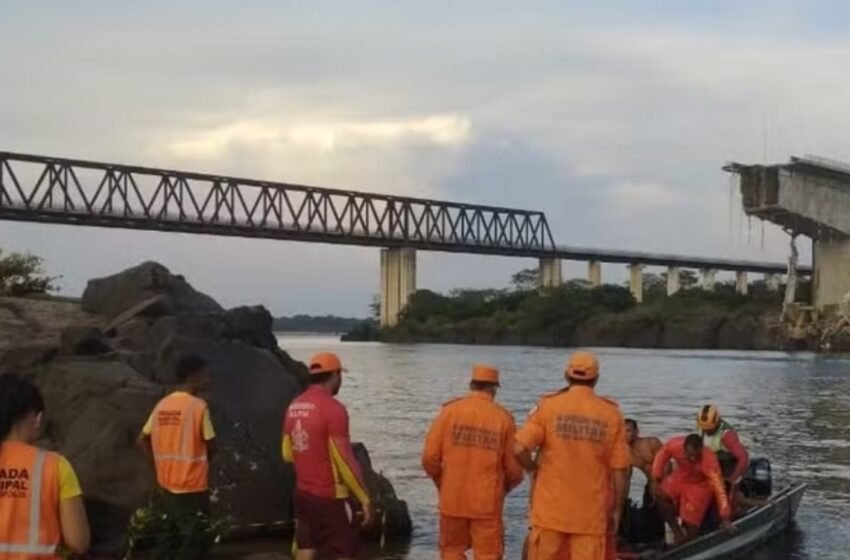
{"type": "Point", "coordinates": [576, 315]}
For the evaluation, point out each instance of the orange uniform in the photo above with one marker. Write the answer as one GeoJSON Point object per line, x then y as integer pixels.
{"type": "Point", "coordinates": [691, 485]}
{"type": "Point", "coordinates": [32, 483]}
{"type": "Point", "coordinates": [469, 456]}
{"type": "Point", "coordinates": [582, 440]}
{"type": "Point", "coordinates": [180, 428]}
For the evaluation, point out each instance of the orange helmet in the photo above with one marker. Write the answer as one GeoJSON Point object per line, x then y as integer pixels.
{"type": "Point", "coordinates": [583, 366]}
{"type": "Point", "coordinates": [708, 418]}
{"type": "Point", "coordinates": [485, 374]}
{"type": "Point", "coordinates": [325, 362]}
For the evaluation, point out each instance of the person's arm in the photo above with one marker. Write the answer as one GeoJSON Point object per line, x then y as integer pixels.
{"type": "Point", "coordinates": [742, 459]}
{"type": "Point", "coordinates": [712, 472]}
{"type": "Point", "coordinates": [620, 464]}
{"type": "Point", "coordinates": [74, 524]}
{"type": "Point", "coordinates": [529, 438]}
{"type": "Point", "coordinates": [143, 442]}
{"type": "Point", "coordinates": [513, 469]}
{"type": "Point", "coordinates": [342, 455]}
{"type": "Point", "coordinates": [286, 450]}
{"type": "Point", "coordinates": [208, 433]}
{"type": "Point", "coordinates": [432, 453]}
{"type": "Point", "coordinates": [659, 464]}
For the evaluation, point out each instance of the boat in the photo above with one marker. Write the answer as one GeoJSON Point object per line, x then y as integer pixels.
{"type": "Point", "coordinates": [751, 530]}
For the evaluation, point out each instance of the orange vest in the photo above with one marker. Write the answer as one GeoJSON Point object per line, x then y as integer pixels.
{"type": "Point", "coordinates": [179, 449]}
{"type": "Point", "coordinates": [29, 502]}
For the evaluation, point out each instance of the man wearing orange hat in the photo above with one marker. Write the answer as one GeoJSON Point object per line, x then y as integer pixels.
{"type": "Point", "coordinates": [583, 460]}
{"type": "Point", "coordinates": [327, 475]}
{"type": "Point", "coordinates": [468, 455]}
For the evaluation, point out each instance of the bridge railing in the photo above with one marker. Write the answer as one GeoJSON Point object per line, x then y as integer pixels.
{"type": "Point", "coordinates": [58, 190]}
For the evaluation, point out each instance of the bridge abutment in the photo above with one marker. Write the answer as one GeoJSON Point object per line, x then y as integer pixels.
{"type": "Point", "coordinates": [549, 273]}
{"type": "Point", "coordinates": [398, 282]}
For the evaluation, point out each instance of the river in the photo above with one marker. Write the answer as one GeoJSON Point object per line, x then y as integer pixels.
{"type": "Point", "coordinates": [792, 408]}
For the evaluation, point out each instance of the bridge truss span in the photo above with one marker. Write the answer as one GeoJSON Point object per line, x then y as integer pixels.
{"type": "Point", "coordinates": [58, 190]}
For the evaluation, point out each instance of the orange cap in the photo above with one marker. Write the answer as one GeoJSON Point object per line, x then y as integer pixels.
{"type": "Point", "coordinates": [583, 366]}
{"type": "Point", "coordinates": [485, 374]}
{"type": "Point", "coordinates": [325, 362]}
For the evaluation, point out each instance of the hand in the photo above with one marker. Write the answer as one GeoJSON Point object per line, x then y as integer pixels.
{"type": "Point", "coordinates": [367, 515]}
{"type": "Point", "coordinates": [614, 523]}
{"type": "Point", "coordinates": [727, 525]}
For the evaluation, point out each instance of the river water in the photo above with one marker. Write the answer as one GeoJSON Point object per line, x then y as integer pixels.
{"type": "Point", "coordinates": [792, 408]}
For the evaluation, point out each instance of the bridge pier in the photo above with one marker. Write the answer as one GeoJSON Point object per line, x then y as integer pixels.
{"type": "Point", "coordinates": [398, 282]}
{"type": "Point", "coordinates": [742, 285]}
{"type": "Point", "coordinates": [707, 277]}
{"type": "Point", "coordinates": [636, 281]}
{"type": "Point", "coordinates": [772, 280]}
{"type": "Point", "coordinates": [831, 278]}
{"type": "Point", "coordinates": [674, 280]}
{"type": "Point", "coordinates": [549, 273]}
{"type": "Point", "coordinates": [594, 273]}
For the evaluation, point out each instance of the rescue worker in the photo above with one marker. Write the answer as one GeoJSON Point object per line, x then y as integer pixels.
{"type": "Point", "coordinates": [581, 474]}
{"type": "Point", "coordinates": [687, 492]}
{"type": "Point", "coordinates": [316, 440]}
{"type": "Point", "coordinates": [469, 455]}
{"type": "Point", "coordinates": [180, 438]}
{"type": "Point", "coordinates": [721, 438]}
{"type": "Point", "coordinates": [41, 504]}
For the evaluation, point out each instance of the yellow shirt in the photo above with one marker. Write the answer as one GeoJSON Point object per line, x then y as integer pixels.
{"type": "Point", "coordinates": [69, 485]}
{"type": "Point", "coordinates": [208, 431]}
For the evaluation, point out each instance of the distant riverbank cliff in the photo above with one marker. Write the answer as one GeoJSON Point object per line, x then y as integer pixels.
{"type": "Point", "coordinates": [576, 314]}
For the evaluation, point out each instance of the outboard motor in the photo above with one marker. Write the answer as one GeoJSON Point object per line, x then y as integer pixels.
{"type": "Point", "coordinates": [758, 481]}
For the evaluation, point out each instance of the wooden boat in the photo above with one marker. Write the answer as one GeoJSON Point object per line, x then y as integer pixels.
{"type": "Point", "coordinates": [752, 530]}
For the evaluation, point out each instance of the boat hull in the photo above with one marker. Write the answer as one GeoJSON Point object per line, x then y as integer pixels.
{"type": "Point", "coordinates": [752, 530]}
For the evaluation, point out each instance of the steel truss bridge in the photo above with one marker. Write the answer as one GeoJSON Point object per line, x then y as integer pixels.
{"type": "Point", "coordinates": [35, 188]}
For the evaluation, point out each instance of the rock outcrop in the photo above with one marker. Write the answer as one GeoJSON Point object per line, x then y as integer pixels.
{"type": "Point", "coordinates": [102, 377]}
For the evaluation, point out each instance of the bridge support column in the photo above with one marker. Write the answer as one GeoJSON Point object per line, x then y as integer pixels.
{"type": "Point", "coordinates": [594, 273]}
{"type": "Point", "coordinates": [636, 281]}
{"type": "Point", "coordinates": [742, 285]}
{"type": "Point", "coordinates": [398, 282]}
{"type": "Point", "coordinates": [674, 278]}
{"type": "Point", "coordinates": [831, 275]}
{"type": "Point", "coordinates": [708, 279]}
{"type": "Point", "coordinates": [549, 273]}
{"type": "Point", "coordinates": [772, 280]}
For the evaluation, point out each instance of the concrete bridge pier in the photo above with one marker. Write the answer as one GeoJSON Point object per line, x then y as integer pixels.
{"type": "Point", "coordinates": [772, 280]}
{"type": "Point", "coordinates": [636, 281]}
{"type": "Point", "coordinates": [398, 282]}
{"type": "Point", "coordinates": [707, 279]}
{"type": "Point", "coordinates": [549, 273]}
{"type": "Point", "coordinates": [594, 273]}
{"type": "Point", "coordinates": [831, 278]}
{"type": "Point", "coordinates": [742, 285]}
{"type": "Point", "coordinates": [674, 280]}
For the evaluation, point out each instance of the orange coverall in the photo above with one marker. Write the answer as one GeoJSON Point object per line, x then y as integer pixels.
{"type": "Point", "coordinates": [469, 456]}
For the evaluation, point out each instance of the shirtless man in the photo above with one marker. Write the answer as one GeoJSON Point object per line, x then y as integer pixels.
{"type": "Point", "coordinates": [643, 451]}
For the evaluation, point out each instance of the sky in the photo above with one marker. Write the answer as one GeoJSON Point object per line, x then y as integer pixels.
{"type": "Point", "coordinates": [615, 118]}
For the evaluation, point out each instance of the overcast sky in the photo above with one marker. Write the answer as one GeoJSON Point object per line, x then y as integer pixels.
{"type": "Point", "coordinates": [615, 120]}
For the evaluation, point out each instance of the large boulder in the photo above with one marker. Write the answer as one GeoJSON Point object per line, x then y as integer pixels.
{"type": "Point", "coordinates": [101, 384]}
{"type": "Point", "coordinates": [120, 292]}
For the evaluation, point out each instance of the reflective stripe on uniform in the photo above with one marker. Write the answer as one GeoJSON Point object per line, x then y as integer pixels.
{"type": "Point", "coordinates": [33, 546]}
{"type": "Point", "coordinates": [185, 441]}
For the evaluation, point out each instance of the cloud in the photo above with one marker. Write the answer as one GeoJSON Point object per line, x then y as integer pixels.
{"type": "Point", "coordinates": [323, 137]}
{"type": "Point", "coordinates": [644, 196]}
